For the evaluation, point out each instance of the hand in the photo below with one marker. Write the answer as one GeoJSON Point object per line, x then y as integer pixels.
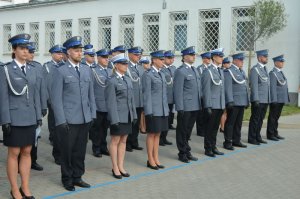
{"type": "Point", "coordinates": [115, 126]}
{"type": "Point", "coordinates": [6, 128]}
{"type": "Point", "coordinates": [273, 103]}
{"type": "Point", "coordinates": [208, 111]}
{"type": "Point", "coordinates": [149, 116]}
{"type": "Point", "coordinates": [93, 121]}
{"type": "Point", "coordinates": [39, 123]}
{"type": "Point", "coordinates": [44, 112]}
{"type": "Point", "coordinates": [134, 121]}
{"type": "Point", "coordinates": [246, 107]}
{"type": "Point", "coordinates": [255, 103]}
{"type": "Point", "coordinates": [229, 105]}
{"type": "Point", "coordinates": [64, 126]}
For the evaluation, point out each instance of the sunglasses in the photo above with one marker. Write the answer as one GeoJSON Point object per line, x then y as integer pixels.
{"type": "Point", "coordinates": [123, 63]}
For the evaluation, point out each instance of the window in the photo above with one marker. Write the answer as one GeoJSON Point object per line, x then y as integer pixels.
{"type": "Point", "coordinates": [49, 35]}
{"type": "Point", "coordinates": [6, 37]}
{"type": "Point", "coordinates": [178, 30]}
{"type": "Point", "coordinates": [127, 31]}
{"type": "Point", "coordinates": [34, 33]}
{"type": "Point", "coordinates": [66, 30]}
{"type": "Point", "coordinates": [209, 30]}
{"type": "Point", "coordinates": [85, 30]}
{"type": "Point", "coordinates": [242, 32]}
{"type": "Point", "coordinates": [20, 28]}
{"type": "Point", "coordinates": [104, 32]}
{"type": "Point", "coordinates": [151, 32]}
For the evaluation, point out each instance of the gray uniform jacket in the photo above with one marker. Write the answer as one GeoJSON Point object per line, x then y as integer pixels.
{"type": "Point", "coordinates": [43, 86]}
{"type": "Point", "coordinates": [155, 93]}
{"type": "Point", "coordinates": [187, 89]}
{"type": "Point", "coordinates": [19, 110]}
{"type": "Point", "coordinates": [72, 97]}
{"type": "Point", "coordinates": [236, 86]}
{"type": "Point", "coordinates": [120, 99]}
{"type": "Point", "coordinates": [213, 88]}
{"type": "Point", "coordinates": [135, 74]}
{"type": "Point", "coordinates": [48, 68]}
{"type": "Point", "coordinates": [169, 75]}
{"type": "Point", "coordinates": [259, 84]}
{"type": "Point", "coordinates": [278, 87]}
{"type": "Point", "coordinates": [100, 77]}
{"type": "Point", "coordinates": [201, 68]}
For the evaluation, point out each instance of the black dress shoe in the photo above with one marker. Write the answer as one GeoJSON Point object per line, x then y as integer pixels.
{"type": "Point", "coordinates": [152, 167]}
{"type": "Point", "coordinates": [69, 187]}
{"type": "Point", "coordinates": [82, 184]}
{"type": "Point", "coordinates": [190, 157]}
{"type": "Point", "coordinates": [221, 130]}
{"type": "Point", "coordinates": [161, 143]}
{"type": "Point", "coordinates": [105, 152]}
{"type": "Point", "coordinates": [184, 159]}
{"type": "Point", "coordinates": [137, 148]}
{"type": "Point", "coordinates": [209, 153]}
{"type": "Point", "coordinates": [279, 137]}
{"type": "Point", "coordinates": [116, 176]}
{"type": "Point", "coordinates": [125, 174]}
{"type": "Point", "coordinates": [160, 166]}
{"type": "Point", "coordinates": [228, 147]}
{"type": "Point", "coordinates": [167, 142]}
{"type": "Point", "coordinates": [129, 149]}
{"type": "Point", "coordinates": [57, 162]}
{"type": "Point", "coordinates": [171, 127]}
{"type": "Point", "coordinates": [254, 142]}
{"type": "Point", "coordinates": [24, 196]}
{"type": "Point", "coordinates": [217, 152]}
{"type": "Point", "coordinates": [262, 141]}
{"type": "Point", "coordinates": [97, 154]}
{"type": "Point", "coordinates": [36, 166]}
{"type": "Point", "coordinates": [240, 144]}
{"type": "Point", "coordinates": [273, 138]}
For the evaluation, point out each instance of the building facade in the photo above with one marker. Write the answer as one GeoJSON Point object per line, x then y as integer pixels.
{"type": "Point", "coordinates": [153, 25]}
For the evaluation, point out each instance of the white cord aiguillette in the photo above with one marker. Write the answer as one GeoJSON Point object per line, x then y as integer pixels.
{"type": "Point", "coordinates": [264, 79]}
{"type": "Point", "coordinates": [237, 81]}
{"type": "Point", "coordinates": [129, 74]}
{"type": "Point", "coordinates": [282, 83]}
{"type": "Point", "coordinates": [98, 79]}
{"type": "Point", "coordinates": [212, 79]}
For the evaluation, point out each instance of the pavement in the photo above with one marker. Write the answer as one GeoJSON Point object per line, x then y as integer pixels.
{"type": "Point", "coordinates": [267, 171]}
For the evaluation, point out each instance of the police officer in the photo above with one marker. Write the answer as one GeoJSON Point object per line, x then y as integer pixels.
{"type": "Point", "coordinates": [65, 55]}
{"type": "Point", "coordinates": [89, 55]}
{"type": "Point", "coordinates": [201, 120]}
{"type": "Point", "coordinates": [115, 51]}
{"type": "Point", "coordinates": [73, 103]}
{"type": "Point", "coordinates": [214, 101]}
{"type": "Point", "coordinates": [135, 72]}
{"type": "Point", "coordinates": [43, 98]}
{"type": "Point", "coordinates": [121, 113]}
{"type": "Point", "coordinates": [98, 132]}
{"type": "Point", "coordinates": [279, 96]}
{"type": "Point", "coordinates": [260, 97]}
{"type": "Point", "coordinates": [21, 113]}
{"type": "Point", "coordinates": [187, 96]}
{"type": "Point", "coordinates": [144, 61]}
{"type": "Point", "coordinates": [155, 107]}
{"type": "Point", "coordinates": [236, 99]}
{"type": "Point", "coordinates": [57, 54]}
{"type": "Point", "coordinates": [168, 70]}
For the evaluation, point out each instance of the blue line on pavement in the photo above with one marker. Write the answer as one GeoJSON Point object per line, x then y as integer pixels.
{"type": "Point", "coordinates": [138, 176]}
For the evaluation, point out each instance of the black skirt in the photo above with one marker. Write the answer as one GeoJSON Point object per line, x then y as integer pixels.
{"type": "Point", "coordinates": [157, 124]}
{"type": "Point", "coordinates": [122, 129]}
{"type": "Point", "coordinates": [20, 136]}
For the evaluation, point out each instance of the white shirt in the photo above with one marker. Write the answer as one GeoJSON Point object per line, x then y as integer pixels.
{"type": "Point", "coordinates": [74, 65]}
{"type": "Point", "coordinates": [157, 70]}
{"type": "Point", "coordinates": [278, 69]}
{"type": "Point", "coordinates": [134, 65]}
{"type": "Point", "coordinates": [119, 74]}
{"type": "Point", "coordinates": [20, 65]}
{"type": "Point", "coordinates": [261, 64]}
{"type": "Point", "coordinates": [236, 66]}
{"type": "Point", "coordinates": [188, 64]}
{"type": "Point", "coordinates": [214, 65]}
{"type": "Point", "coordinates": [54, 62]}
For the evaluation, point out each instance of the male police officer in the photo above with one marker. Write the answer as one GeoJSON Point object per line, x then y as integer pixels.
{"type": "Point", "coordinates": [214, 101]}
{"type": "Point", "coordinates": [236, 98]}
{"type": "Point", "coordinates": [56, 52]}
{"type": "Point", "coordinates": [135, 72]}
{"type": "Point", "coordinates": [73, 103]}
{"type": "Point", "coordinates": [279, 96]}
{"type": "Point", "coordinates": [168, 70]}
{"type": "Point", "coordinates": [43, 98]}
{"type": "Point", "coordinates": [201, 121]}
{"type": "Point", "coordinates": [187, 96]}
{"type": "Point", "coordinates": [260, 97]}
{"type": "Point", "coordinates": [89, 55]}
{"type": "Point", "coordinates": [98, 132]}
{"type": "Point", "coordinates": [115, 51]}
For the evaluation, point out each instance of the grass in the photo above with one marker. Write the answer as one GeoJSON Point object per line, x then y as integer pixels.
{"type": "Point", "coordinates": [287, 110]}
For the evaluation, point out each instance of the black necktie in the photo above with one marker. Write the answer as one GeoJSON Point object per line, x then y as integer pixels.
{"type": "Point", "coordinates": [105, 69]}
{"type": "Point", "coordinates": [282, 75]}
{"type": "Point", "coordinates": [136, 69]}
{"type": "Point", "coordinates": [219, 70]}
{"type": "Point", "coordinates": [170, 71]}
{"type": "Point", "coordinates": [265, 68]}
{"type": "Point", "coordinates": [23, 70]}
{"type": "Point", "coordinates": [77, 70]}
{"type": "Point", "coordinates": [159, 75]}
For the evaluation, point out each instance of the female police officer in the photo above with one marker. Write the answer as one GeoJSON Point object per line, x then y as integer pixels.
{"type": "Point", "coordinates": [121, 113]}
{"type": "Point", "coordinates": [155, 107]}
{"type": "Point", "coordinates": [21, 112]}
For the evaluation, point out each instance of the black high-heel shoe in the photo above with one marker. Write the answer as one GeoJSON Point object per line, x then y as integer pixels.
{"type": "Point", "coordinates": [160, 166]}
{"type": "Point", "coordinates": [152, 167]}
{"type": "Point", "coordinates": [13, 197]}
{"type": "Point", "coordinates": [125, 174]}
{"type": "Point", "coordinates": [116, 176]}
{"type": "Point", "coordinates": [24, 196]}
